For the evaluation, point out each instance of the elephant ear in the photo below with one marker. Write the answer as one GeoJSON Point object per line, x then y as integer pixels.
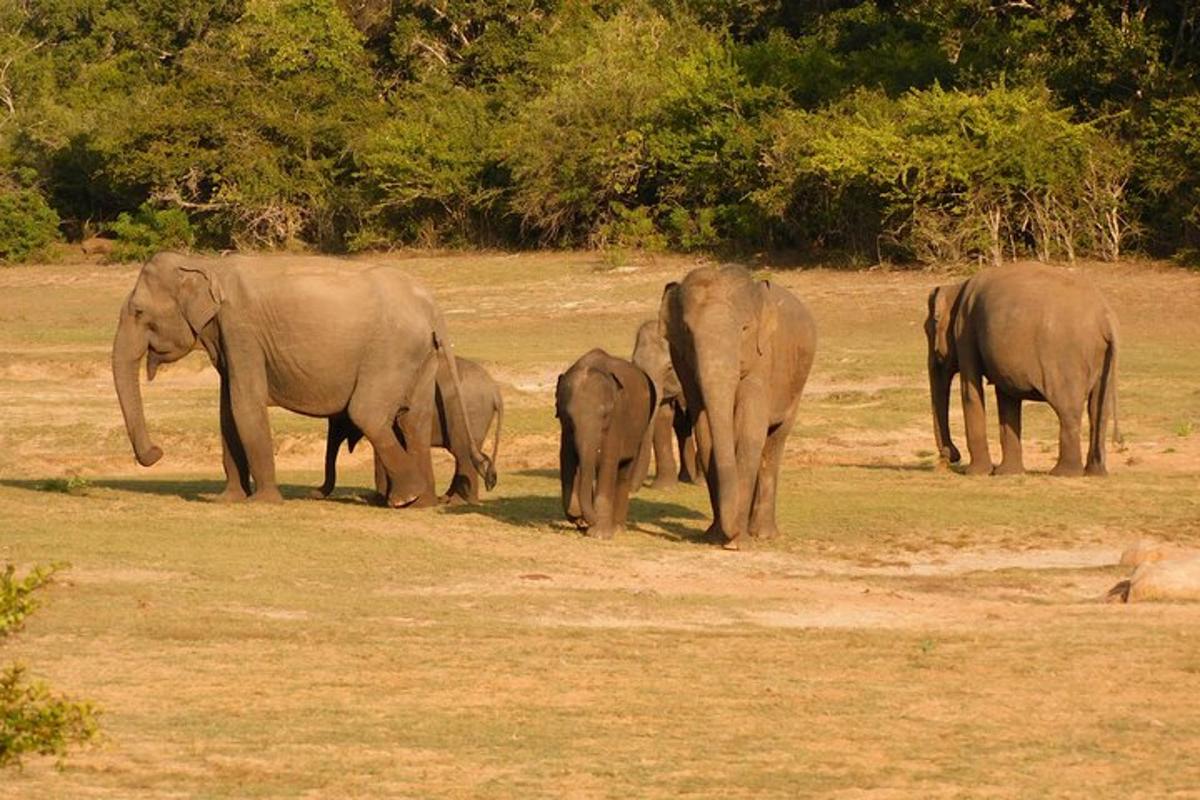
{"type": "Point", "coordinates": [941, 299]}
{"type": "Point", "coordinates": [200, 296]}
{"type": "Point", "coordinates": [666, 307]}
{"type": "Point", "coordinates": [768, 317]}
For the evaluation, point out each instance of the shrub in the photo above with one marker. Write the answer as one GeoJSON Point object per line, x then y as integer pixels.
{"type": "Point", "coordinates": [34, 720]}
{"type": "Point", "coordinates": [27, 224]}
{"type": "Point", "coordinates": [149, 230]}
{"type": "Point", "coordinates": [15, 595]}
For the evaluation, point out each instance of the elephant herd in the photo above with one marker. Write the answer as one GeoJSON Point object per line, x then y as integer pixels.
{"type": "Point", "coordinates": [720, 372]}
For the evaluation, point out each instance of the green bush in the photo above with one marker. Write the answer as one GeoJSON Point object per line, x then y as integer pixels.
{"type": "Point", "coordinates": [16, 601]}
{"type": "Point", "coordinates": [27, 224]}
{"type": "Point", "coordinates": [148, 231]}
{"type": "Point", "coordinates": [947, 176]}
{"type": "Point", "coordinates": [34, 720]}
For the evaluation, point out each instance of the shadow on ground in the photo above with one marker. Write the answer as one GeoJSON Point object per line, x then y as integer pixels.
{"type": "Point", "coordinates": [539, 510]}
{"type": "Point", "coordinates": [196, 491]}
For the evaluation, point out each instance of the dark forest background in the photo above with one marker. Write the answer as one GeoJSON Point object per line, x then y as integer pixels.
{"type": "Point", "coordinates": [926, 131]}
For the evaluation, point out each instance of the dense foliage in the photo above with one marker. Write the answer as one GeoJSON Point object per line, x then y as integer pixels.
{"type": "Point", "coordinates": [934, 129]}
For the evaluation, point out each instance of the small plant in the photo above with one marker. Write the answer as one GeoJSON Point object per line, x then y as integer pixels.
{"type": "Point", "coordinates": [33, 720]}
{"type": "Point", "coordinates": [149, 230]}
{"type": "Point", "coordinates": [1184, 429]}
{"type": "Point", "coordinates": [76, 485]}
{"type": "Point", "coordinates": [15, 600]}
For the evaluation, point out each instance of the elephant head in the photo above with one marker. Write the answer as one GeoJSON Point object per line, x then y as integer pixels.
{"type": "Point", "coordinates": [172, 301]}
{"type": "Point", "coordinates": [719, 323]}
{"type": "Point", "coordinates": [651, 353]}
{"type": "Point", "coordinates": [943, 364]}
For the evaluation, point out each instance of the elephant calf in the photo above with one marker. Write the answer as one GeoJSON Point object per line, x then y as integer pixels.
{"type": "Point", "coordinates": [1036, 333]}
{"type": "Point", "coordinates": [671, 423]}
{"type": "Point", "coordinates": [604, 405]}
{"type": "Point", "coordinates": [483, 404]}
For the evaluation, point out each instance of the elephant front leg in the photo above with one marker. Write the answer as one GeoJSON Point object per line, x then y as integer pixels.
{"type": "Point", "coordinates": [750, 423]}
{"type": "Point", "coordinates": [689, 466]}
{"type": "Point", "coordinates": [1011, 460]}
{"type": "Point", "coordinates": [762, 511]}
{"type": "Point", "coordinates": [975, 419]}
{"type": "Point", "coordinates": [663, 444]}
{"type": "Point", "coordinates": [249, 403]}
{"type": "Point", "coordinates": [604, 501]}
{"type": "Point", "coordinates": [233, 455]}
{"type": "Point", "coordinates": [334, 435]}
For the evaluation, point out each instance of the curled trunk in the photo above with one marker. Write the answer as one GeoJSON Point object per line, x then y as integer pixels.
{"type": "Point", "coordinates": [129, 348]}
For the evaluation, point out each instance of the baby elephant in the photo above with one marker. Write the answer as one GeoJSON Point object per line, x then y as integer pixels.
{"type": "Point", "coordinates": [481, 398]}
{"type": "Point", "coordinates": [605, 406]}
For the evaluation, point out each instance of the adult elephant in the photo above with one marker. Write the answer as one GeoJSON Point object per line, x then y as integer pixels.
{"type": "Point", "coordinates": [484, 403]}
{"type": "Point", "coordinates": [742, 350]}
{"type": "Point", "coordinates": [671, 424]}
{"type": "Point", "coordinates": [316, 336]}
{"type": "Point", "coordinates": [1037, 333]}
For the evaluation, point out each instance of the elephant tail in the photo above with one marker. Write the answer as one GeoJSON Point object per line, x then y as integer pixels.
{"type": "Point", "coordinates": [498, 409]}
{"type": "Point", "coordinates": [455, 406]}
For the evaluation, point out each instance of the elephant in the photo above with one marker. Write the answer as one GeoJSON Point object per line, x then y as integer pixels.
{"type": "Point", "coordinates": [671, 424]}
{"type": "Point", "coordinates": [604, 405]}
{"type": "Point", "coordinates": [742, 350]}
{"type": "Point", "coordinates": [480, 393]}
{"type": "Point", "coordinates": [316, 336]}
{"type": "Point", "coordinates": [1036, 333]}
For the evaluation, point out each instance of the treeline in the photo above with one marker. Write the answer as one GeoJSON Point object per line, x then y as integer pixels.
{"type": "Point", "coordinates": [917, 131]}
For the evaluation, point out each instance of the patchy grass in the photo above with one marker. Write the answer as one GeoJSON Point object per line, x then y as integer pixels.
{"type": "Point", "coordinates": [913, 633]}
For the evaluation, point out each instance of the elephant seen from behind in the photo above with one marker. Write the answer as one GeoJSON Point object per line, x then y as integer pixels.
{"type": "Point", "coordinates": [484, 404]}
{"type": "Point", "coordinates": [742, 350]}
{"type": "Point", "coordinates": [604, 406]}
{"type": "Point", "coordinates": [1035, 332]}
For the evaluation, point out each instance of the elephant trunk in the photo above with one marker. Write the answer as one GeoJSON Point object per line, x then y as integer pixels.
{"type": "Point", "coordinates": [129, 347]}
{"type": "Point", "coordinates": [940, 376]}
{"type": "Point", "coordinates": [717, 391]}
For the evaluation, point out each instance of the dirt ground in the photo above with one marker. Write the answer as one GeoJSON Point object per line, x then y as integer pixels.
{"type": "Point", "coordinates": [913, 633]}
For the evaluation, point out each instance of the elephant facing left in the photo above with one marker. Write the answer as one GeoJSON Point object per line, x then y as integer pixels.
{"type": "Point", "coordinates": [317, 336]}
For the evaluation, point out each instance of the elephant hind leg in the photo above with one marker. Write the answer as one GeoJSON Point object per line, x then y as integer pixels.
{"type": "Point", "coordinates": [1009, 409]}
{"type": "Point", "coordinates": [762, 510]}
{"type": "Point", "coordinates": [1070, 459]}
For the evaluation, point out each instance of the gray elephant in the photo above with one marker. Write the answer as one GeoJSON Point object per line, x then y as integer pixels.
{"type": "Point", "coordinates": [316, 336]}
{"type": "Point", "coordinates": [1037, 333]}
{"type": "Point", "coordinates": [742, 350]}
{"type": "Point", "coordinates": [671, 424]}
{"type": "Point", "coordinates": [604, 406]}
{"type": "Point", "coordinates": [480, 393]}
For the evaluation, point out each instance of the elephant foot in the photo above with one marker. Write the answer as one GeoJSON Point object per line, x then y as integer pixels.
{"type": "Point", "coordinates": [1096, 471]}
{"type": "Point", "coordinates": [266, 494]}
{"type": "Point", "coordinates": [664, 482]}
{"type": "Point", "coordinates": [402, 502]}
{"type": "Point", "coordinates": [1062, 470]}
{"type": "Point", "coordinates": [319, 493]}
{"type": "Point", "coordinates": [453, 499]}
{"type": "Point", "coordinates": [731, 544]}
{"type": "Point", "coordinates": [230, 496]}
{"type": "Point", "coordinates": [979, 468]}
{"type": "Point", "coordinates": [1004, 468]}
{"type": "Point", "coordinates": [765, 532]}
{"type": "Point", "coordinates": [951, 454]}
{"type": "Point", "coordinates": [601, 531]}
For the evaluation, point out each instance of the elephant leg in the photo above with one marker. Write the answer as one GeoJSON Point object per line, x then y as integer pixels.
{"type": "Point", "coordinates": [662, 440]}
{"type": "Point", "coordinates": [233, 455]}
{"type": "Point", "coordinates": [1070, 458]}
{"type": "Point", "coordinates": [762, 512]}
{"type": "Point", "coordinates": [605, 495]}
{"type": "Point", "coordinates": [248, 400]}
{"type": "Point", "coordinates": [396, 473]}
{"type": "Point", "coordinates": [1011, 460]}
{"type": "Point", "coordinates": [1097, 422]}
{"type": "Point", "coordinates": [464, 486]}
{"type": "Point", "coordinates": [381, 480]}
{"type": "Point", "coordinates": [420, 455]}
{"type": "Point", "coordinates": [750, 431]}
{"type": "Point", "coordinates": [975, 418]}
{"type": "Point", "coordinates": [334, 436]}
{"type": "Point", "coordinates": [641, 465]}
{"type": "Point", "coordinates": [689, 468]}
{"type": "Point", "coordinates": [568, 471]}
{"type": "Point", "coordinates": [624, 486]}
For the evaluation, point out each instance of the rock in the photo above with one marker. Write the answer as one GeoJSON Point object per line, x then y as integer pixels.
{"type": "Point", "coordinates": [1175, 578]}
{"type": "Point", "coordinates": [1144, 551]}
{"type": "Point", "coordinates": [96, 246]}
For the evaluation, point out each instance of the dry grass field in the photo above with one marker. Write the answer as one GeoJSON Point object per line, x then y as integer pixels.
{"type": "Point", "coordinates": [913, 632]}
